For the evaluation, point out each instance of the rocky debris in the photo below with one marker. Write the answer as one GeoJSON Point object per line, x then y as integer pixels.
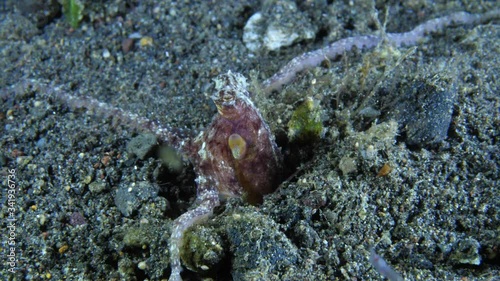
{"type": "Point", "coordinates": [278, 25]}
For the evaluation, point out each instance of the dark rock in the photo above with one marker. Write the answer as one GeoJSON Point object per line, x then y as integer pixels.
{"type": "Point", "coordinates": [127, 45]}
{"type": "Point", "coordinates": [40, 12]}
{"type": "Point", "coordinates": [426, 112]}
{"type": "Point", "coordinates": [142, 145]}
{"type": "Point", "coordinates": [258, 246]}
{"type": "Point", "coordinates": [76, 219]}
{"type": "Point", "coordinates": [129, 197]}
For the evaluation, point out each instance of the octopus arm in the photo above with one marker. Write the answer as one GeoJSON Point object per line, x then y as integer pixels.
{"type": "Point", "coordinates": [208, 196]}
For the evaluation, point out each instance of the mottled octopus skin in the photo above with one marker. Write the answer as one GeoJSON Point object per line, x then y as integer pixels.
{"type": "Point", "coordinates": [255, 172]}
{"type": "Point", "coordinates": [236, 156]}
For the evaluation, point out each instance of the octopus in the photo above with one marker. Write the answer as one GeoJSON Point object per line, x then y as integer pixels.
{"type": "Point", "coordinates": [236, 156]}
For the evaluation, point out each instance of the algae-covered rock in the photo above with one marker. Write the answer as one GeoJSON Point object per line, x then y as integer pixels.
{"type": "Point", "coordinates": [305, 124]}
{"type": "Point", "coordinates": [466, 252]}
{"type": "Point", "coordinates": [203, 249]}
{"type": "Point", "coordinates": [258, 247]}
{"type": "Point", "coordinates": [138, 236]}
{"type": "Point", "coordinates": [245, 240]}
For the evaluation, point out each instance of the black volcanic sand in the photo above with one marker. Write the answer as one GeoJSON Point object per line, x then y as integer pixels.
{"type": "Point", "coordinates": [407, 163]}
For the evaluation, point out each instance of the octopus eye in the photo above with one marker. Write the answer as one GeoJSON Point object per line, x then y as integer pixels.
{"type": "Point", "coordinates": [237, 145]}
{"type": "Point", "coordinates": [228, 96]}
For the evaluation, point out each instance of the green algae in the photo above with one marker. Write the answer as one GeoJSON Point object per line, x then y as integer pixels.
{"type": "Point", "coordinates": [305, 124]}
{"type": "Point", "coordinates": [73, 10]}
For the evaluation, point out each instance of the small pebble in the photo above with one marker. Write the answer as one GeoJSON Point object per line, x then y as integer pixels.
{"type": "Point", "coordinates": [146, 41]}
{"type": "Point", "coordinates": [106, 54]}
{"type": "Point", "coordinates": [142, 265]}
{"type": "Point", "coordinates": [41, 143]}
{"type": "Point", "coordinates": [127, 45]}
